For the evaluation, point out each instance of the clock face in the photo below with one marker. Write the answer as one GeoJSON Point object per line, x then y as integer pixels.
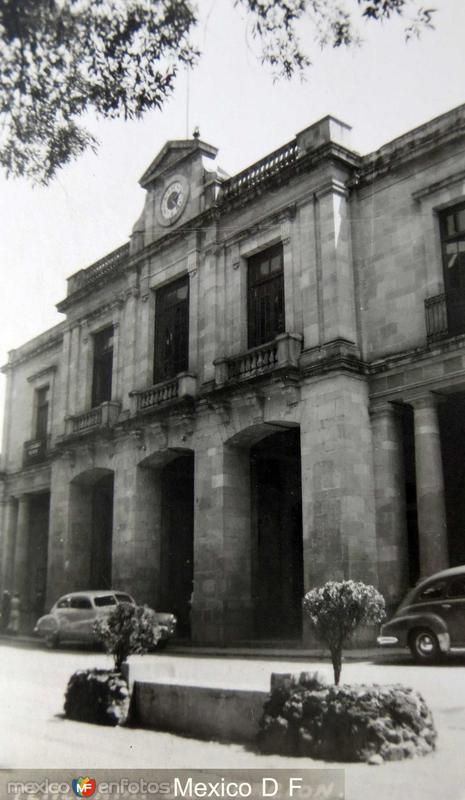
{"type": "Point", "coordinates": [172, 201]}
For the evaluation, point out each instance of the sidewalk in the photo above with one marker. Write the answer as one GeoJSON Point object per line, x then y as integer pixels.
{"type": "Point", "coordinates": [243, 652]}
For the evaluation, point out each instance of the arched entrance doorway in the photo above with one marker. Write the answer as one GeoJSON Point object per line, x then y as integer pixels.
{"type": "Point", "coordinates": [177, 541]}
{"type": "Point", "coordinates": [102, 533]}
{"type": "Point", "coordinates": [276, 526]}
{"type": "Point", "coordinates": [39, 513]}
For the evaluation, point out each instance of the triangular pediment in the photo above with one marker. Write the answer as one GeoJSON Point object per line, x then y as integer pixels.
{"type": "Point", "coordinates": [171, 154]}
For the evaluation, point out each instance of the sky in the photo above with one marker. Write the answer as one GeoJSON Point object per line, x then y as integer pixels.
{"type": "Point", "coordinates": [382, 89]}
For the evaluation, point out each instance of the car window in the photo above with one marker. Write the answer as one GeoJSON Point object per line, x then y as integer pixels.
{"type": "Point", "coordinates": [434, 591]}
{"type": "Point", "coordinates": [63, 603]}
{"type": "Point", "coordinates": [105, 600]}
{"type": "Point", "coordinates": [456, 588]}
{"type": "Point", "coordinates": [124, 598]}
{"type": "Point", "coordinates": [80, 602]}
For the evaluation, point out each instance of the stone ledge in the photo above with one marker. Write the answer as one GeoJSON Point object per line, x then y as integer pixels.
{"type": "Point", "coordinates": [206, 713]}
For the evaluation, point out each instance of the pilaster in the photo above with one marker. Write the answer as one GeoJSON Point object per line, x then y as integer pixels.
{"type": "Point", "coordinates": [335, 252]}
{"type": "Point", "coordinates": [391, 513]}
{"type": "Point", "coordinates": [222, 603]}
{"type": "Point", "coordinates": [431, 507]}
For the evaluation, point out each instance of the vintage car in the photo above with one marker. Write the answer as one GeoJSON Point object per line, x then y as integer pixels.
{"type": "Point", "coordinates": [72, 617]}
{"type": "Point", "coordinates": [431, 618]}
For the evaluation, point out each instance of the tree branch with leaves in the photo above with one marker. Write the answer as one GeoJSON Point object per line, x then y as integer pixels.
{"type": "Point", "coordinates": [64, 59]}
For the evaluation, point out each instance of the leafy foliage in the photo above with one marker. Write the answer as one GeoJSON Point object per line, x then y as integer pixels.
{"type": "Point", "coordinates": [126, 631]}
{"type": "Point", "coordinates": [62, 59]}
{"type": "Point", "coordinates": [98, 696]}
{"type": "Point", "coordinates": [337, 609]}
{"type": "Point", "coordinates": [305, 717]}
{"type": "Point", "coordinates": [333, 22]}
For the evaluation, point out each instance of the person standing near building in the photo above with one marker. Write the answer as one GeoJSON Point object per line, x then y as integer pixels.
{"type": "Point", "coordinates": [15, 613]}
{"type": "Point", "coordinates": [6, 608]}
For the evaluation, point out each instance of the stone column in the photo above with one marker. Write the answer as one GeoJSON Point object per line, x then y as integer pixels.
{"type": "Point", "coordinates": [85, 366]}
{"type": "Point", "coordinates": [338, 509]}
{"type": "Point", "coordinates": [431, 507]}
{"type": "Point", "coordinates": [339, 524]}
{"type": "Point", "coordinates": [116, 366]}
{"type": "Point", "coordinates": [222, 604]}
{"type": "Point", "coordinates": [334, 248]}
{"type": "Point", "coordinates": [193, 355]}
{"type": "Point", "coordinates": [139, 346]}
{"type": "Point", "coordinates": [21, 578]}
{"type": "Point", "coordinates": [8, 551]}
{"type": "Point", "coordinates": [290, 275]}
{"type": "Point", "coordinates": [74, 371]}
{"type": "Point", "coordinates": [61, 571]}
{"type": "Point", "coordinates": [78, 542]}
{"type": "Point", "coordinates": [137, 529]}
{"type": "Point", "coordinates": [391, 512]}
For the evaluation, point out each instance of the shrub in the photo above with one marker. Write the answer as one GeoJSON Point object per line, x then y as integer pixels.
{"type": "Point", "coordinates": [97, 695]}
{"type": "Point", "coordinates": [306, 717]}
{"type": "Point", "coordinates": [127, 630]}
{"type": "Point", "coordinates": [337, 609]}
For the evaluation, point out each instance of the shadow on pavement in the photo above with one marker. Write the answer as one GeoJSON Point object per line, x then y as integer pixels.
{"type": "Point", "coordinates": [405, 660]}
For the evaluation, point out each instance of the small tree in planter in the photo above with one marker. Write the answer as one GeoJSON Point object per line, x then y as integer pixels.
{"type": "Point", "coordinates": [126, 631]}
{"type": "Point", "coordinates": [337, 609]}
{"type": "Point", "coordinates": [101, 695]}
{"type": "Point", "coordinates": [304, 716]}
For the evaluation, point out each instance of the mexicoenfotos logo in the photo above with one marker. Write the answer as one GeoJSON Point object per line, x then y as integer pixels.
{"type": "Point", "coordinates": [83, 787]}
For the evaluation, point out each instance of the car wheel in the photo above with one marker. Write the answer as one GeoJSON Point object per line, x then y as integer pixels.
{"type": "Point", "coordinates": [424, 646]}
{"type": "Point", "coordinates": [52, 640]}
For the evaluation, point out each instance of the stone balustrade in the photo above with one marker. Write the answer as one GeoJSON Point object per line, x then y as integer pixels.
{"type": "Point", "coordinates": [102, 268]}
{"type": "Point", "coordinates": [182, 387]}
{"type": "Point", "coordinates": [283, 351]}
{"type": "Point", "coordinates": [259, 173]}
{"type": "Point", "coordinates": [102, 416]}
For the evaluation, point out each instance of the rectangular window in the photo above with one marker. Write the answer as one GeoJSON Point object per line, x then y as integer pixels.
{"type": "Point", "coordinates": [453, 253]}
{"type": "Point", "coordinates": [171, 330]}
{"type": "Point", "coordinates": [42, 402]}
{"type": "Point", "coordinates": [103, 367]}
{"type": "Point", "coordinates": [265, 296]}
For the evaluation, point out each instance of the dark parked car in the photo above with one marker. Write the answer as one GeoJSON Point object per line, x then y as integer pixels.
{"type": "Point", "coordinates": [72, 617]}
{"type": "Point", "coordinates": [431, 618]}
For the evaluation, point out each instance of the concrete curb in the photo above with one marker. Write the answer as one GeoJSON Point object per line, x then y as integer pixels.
{"type": "Point", "coordinates": [372, 653]}
{"type": "Point", "coordinates": [264, 653]}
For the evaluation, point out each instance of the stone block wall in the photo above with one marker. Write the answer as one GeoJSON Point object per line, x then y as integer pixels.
{"type": "Point", "coordinates": [397, 252]}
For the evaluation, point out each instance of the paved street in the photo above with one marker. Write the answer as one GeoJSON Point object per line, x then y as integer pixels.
{"type": "Point", "coordinates": [35, 734]}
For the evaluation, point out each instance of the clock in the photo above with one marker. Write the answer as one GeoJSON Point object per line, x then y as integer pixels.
{"type": "Point", "coordinates": [173, 201]}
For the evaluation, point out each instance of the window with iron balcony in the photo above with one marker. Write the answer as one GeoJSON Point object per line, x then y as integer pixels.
{"type": "Point", "coordinates": [102, 367]}
{"type": "Point", "coordinates": [171, 330]}
{"type": "Point", "coordinates": [265, 296]}
{"type": "Point", "coordinates": [36, 449]}
{"type": "Point", "coordinates": [452, 224]}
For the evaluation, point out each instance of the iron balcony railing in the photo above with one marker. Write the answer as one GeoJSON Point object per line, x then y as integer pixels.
{"type": "Point", "coordinates": [36, 450]}
{"type": "Point", "coordinates": [436, 317]}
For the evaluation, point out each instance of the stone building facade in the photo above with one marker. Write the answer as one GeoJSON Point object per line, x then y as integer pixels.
{"type": "Point", "coordinates": [262, 390]}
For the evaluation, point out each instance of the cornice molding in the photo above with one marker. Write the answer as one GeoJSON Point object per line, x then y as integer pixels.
{"type": "Point", "coordinates": [434, 188]}
{"type": "Point", "coordinates": [37, 375]}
